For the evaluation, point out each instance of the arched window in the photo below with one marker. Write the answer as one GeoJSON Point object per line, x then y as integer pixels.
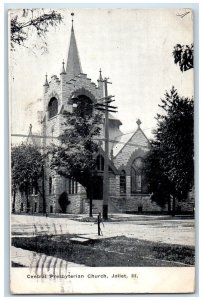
{"type": "Point", "coordinates": [50, 185]}
{"type": "Point", "coordinates": [123, 182]}
{"type": "Point", "coordinates": [73, 186]}
{"type": "Point", "coordinates": [138, 181]}
{"type": "Point", "coordinates": [52, 107]}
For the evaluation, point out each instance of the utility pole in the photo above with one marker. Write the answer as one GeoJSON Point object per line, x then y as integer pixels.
{"type": "Point", "coordinates": [106, 157]}
{"type": "Point", "coordinates": [106, 108]}
{"type": "Point", "coordinates": [91, 193]}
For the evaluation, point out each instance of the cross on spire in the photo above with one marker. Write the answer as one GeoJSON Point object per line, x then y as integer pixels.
{"type": "Point", "coordinates": [72, 14]}
{"type": "Point", "coordinates": [138, 123]}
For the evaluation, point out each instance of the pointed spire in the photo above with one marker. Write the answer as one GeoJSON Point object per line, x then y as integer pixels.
{"type": "Point", "coordinates": [46, 81]}
{"type": "Point", "coordinates": [100, 75]}
{"type": "Point", "coordinates": [63, 68]}
{"type": "Point", "coordinates": [73, 66]}
{"type": "Point", "coordinates": [30, 136]}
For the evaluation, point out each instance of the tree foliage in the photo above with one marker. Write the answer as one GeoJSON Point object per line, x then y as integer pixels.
{"type": "Point", "coordinates": [34, 21]}
{"type": "Point", "coordinates": [183, 55]}
{"type": "Point", "coordinates": [170, 164]}
{"type": "Point", "coordinates": [75, 156]}
{"type": "Point", "coordinates": [26, 167]}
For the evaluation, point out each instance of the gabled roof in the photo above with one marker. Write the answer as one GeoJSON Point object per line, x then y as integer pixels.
{"type": "Point", "coordinates": [123, 140]}
{"type": "Point", "coordinates": [73, 66]}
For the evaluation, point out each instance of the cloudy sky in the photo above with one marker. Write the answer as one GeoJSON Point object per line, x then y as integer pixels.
{"type": "Point", "coordinates": [132, 47]}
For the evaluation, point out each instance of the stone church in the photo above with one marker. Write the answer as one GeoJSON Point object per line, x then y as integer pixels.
{"type": "Point", "coordinates": [128, 189]}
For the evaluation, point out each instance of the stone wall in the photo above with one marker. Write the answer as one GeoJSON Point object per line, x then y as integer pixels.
{"type": "Point", "coordinates": [185, 207]}
{"type": "Point", "coordinates": [76, 205]}
{"type": "Point", "coordinates": [136, 203]}
{"type": "Point", "coordinates": [60, 184]}
{"type": "Point", "coordinates": [21, 203]}
{"type": "Point", "coordinates": [19, 198]}
{"type": "Point", "coordinates": [142, 203]}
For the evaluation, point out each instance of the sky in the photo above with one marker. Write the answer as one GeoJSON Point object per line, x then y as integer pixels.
{"type": "Point", "coordinates": [132, 47]}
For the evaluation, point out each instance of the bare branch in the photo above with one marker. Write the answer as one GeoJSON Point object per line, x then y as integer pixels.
{"type": "Point", "coordinates": [22, 29]}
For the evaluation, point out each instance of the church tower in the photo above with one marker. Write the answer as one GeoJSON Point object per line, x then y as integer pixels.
{"type": "Point", "coordinates": [59, 92]}
{"type": "Point", "coordinates": [59, 95]}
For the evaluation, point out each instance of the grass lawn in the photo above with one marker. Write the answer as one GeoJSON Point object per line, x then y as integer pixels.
{"type": "Point", "coordinates": [117, 251]}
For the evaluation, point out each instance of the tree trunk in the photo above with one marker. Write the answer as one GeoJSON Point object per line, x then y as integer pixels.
{"type": "Point", "coordinates": [174, 205]}
{"type": "Point", "coordinates": [169, 205]}
{"type": "Point", "coordinates": [90, 197]}
{"type": "Point", "coordinates": [27, 199]}
{"type": "Point", "coordinates": [14, 201]}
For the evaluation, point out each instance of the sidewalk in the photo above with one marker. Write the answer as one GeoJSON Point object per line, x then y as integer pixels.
{"type": "Point", "coordinates": [37, 262]}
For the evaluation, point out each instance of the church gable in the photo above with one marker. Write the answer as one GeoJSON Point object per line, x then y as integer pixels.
{"type": "Point", "coordinates": [124, 151]}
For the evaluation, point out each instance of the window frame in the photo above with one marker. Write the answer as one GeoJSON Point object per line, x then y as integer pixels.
{"type": "Point", "coordinates": [52, 111]}
{"type": "Point", "coordinates": [137, 176]}
{"type": "Point", "coordinates": [72, 186]}
{"type": "Point", "coordinates": [122, 182]}
{"type": "Point", "coordinates": [50, 185]}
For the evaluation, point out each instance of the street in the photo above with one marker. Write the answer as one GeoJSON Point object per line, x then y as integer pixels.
{"type": "Point", "coordinates": [163, 229]}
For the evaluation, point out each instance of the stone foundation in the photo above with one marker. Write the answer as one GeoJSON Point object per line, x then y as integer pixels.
{"type": "Point", "coordinates": [136, 203]}
{"type": "Point", "coordinates": [76, 205]}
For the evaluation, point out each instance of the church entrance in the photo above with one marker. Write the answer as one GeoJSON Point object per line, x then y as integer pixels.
{"type": "Point", "coordinates": [98, 188]}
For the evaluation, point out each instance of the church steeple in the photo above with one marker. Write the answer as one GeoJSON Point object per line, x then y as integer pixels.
{"type": "Point", "coordinates": [100, 75]}
{"type": "Point", "coordinates": [46, 84]}
{"type": "Point", "coordinates": [100, 80]}
{"type": "Point", "coordinates": [46, 81]}
{"type": "Point", "coordinates": [73, 66]}
{"type": "Point", "coordinates": [63, 69]}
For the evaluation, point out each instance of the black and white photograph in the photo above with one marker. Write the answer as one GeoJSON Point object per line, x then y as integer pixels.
{"type": "Point", "coordinates": [102, 189]}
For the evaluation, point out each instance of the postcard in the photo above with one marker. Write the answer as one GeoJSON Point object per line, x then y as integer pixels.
{"type": "Point", "coordinates": [102, 151]}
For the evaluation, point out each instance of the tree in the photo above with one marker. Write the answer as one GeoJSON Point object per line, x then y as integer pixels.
{"type": "Point", "coordinates": [183, 55]}
{"type": "Point", "coordinates": [63, 201]}
{"type": "Point", "coordinates": [75, 157]}
{"type": "Point", "coordinates": [26, 169]}
{"type": "Point", "coordinates": [30, 22]}
{"type": "Point", "coordinates": [170, 164]}
{"type": "Point", "coordinates": [159, 184]}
